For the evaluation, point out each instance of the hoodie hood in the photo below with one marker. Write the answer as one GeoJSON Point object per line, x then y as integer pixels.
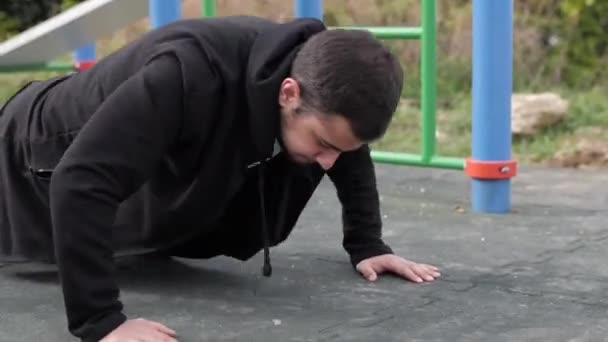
{"type": "Point", "coordinates": [271, 57]}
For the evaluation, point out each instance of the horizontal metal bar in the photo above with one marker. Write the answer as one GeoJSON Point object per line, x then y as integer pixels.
{"type": "Point", "coordinates": [453, 163]}
{"type": "Point", "coordinates": [52, 66]}
{"type": "Point", "coordinates": [81, 24]}
{"type": "Point", "coordinates": [385, 157]}
{"type": "Point", "coordinates": [389, 32]}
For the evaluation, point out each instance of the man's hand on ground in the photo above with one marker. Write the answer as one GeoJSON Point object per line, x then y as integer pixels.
{"type": "Point", "coordinates": [141, 330]}
{"type": "Point", "coordinates": [371, 267]}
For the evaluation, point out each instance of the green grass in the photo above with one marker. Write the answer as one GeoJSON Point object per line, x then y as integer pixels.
{"type": "Point", "coordinates": [588, 109]}
{"type": "Point", "coordinates": [453, 129]}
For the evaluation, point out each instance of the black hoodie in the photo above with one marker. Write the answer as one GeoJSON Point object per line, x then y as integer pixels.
{"type": "Point", "coordinates": [158, 136]}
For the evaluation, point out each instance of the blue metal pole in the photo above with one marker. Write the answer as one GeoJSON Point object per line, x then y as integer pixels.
{"type": "Point", "coordinates": [163, 12]}
{"type": "Point", "coordinates": [492, 88]}
{"type": "Point", "coordinates": [309, 9]}
{"type": "Point", "coordinates": [85, 56]}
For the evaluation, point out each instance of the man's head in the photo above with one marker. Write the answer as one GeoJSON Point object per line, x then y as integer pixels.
{"type": "Point", "coordinates": [342, 92]}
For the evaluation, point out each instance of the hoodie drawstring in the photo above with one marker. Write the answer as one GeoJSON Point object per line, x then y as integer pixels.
{"type": "Point", "coordinates": [280, 212]}
{"type": "Point", "coordinates": [267, 269]}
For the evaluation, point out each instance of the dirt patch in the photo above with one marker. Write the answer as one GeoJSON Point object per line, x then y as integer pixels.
{"type": "Point", "coordinates": [586, 148]}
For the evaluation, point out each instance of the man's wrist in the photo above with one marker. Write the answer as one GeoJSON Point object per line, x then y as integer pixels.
{"type": "Point", "coordinates": [369, 252]}
{"type": "Point", "coordinates": [95, 331]}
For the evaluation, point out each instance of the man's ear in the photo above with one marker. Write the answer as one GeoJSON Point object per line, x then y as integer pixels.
{"type": "Point", "coordinates": [289, 93]}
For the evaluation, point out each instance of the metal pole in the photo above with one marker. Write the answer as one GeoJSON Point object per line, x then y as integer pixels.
{"type": "Point", "coordinates": [388, 32]}
{"type": "Point", "coordinates": [309, 9]}
{"type": "Point", "coordinates": [399, 158]}
{"type": "Point", "coordinates": [163, 12]}
{"type": "Point", "coordinates": [85, 56]}
{"type": "Point", "coordinates": [428, 66]}
{"type": "Point", "coordinates": [208, 8]}
{"type": "Point", "coordinates": [492, 87]}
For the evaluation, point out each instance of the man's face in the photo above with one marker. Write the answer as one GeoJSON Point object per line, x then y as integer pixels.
{"type": "Point", "coordinates": [311, 137]}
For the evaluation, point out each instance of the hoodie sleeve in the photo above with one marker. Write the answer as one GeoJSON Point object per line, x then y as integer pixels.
{"type": "Point", "coordinates": [112, 156]}
{"type": "Point", "coordinates": [354, 176]}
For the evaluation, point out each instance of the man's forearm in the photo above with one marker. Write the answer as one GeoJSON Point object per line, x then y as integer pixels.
{"type": "Point", "coordinates": [112, 156]}
{"type": "Point", "coordinates": [81, 221]}
{"type": "Point", "coordinates": [355, 181]}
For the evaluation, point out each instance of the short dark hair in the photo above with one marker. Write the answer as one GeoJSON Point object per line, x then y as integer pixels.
{"type": "Point", "coordinates": [349, 72]}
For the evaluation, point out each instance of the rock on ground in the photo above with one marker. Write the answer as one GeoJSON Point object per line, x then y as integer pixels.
{"type": "Point", "coordinates": [530, 113]}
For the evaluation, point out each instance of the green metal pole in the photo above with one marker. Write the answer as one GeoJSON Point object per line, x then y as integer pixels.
{"type": "Point", "coordinates": [388, 32]}
{"type": "Point", "coordinates": [51, 67]}
{"type": "Point", "coordinates": [387, 157]}
{"type": "Point", "coordinates": [208, 8]}
{"type": "Point", "coordinates": [397, 158]}
{"type": "Point", "coordinates": [447, 163]}
{"type": "Point", "coordinates": [428, 79]}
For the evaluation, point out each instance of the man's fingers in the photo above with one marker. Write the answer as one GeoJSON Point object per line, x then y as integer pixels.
{"type": "Point", "coordinates": [402, 268]}
{"type": "Point", "coordinates": [158, 336]}
{"type": "Point", "coordinates": [407, 272]}
{"type": "Point", "coordinates": [431, 270]}
{"type": "Point", "coordinates": [142, 330]}
{"type": "Point", "coordinates": [162, 328]}
{"type": "Point", "coordinates": [434, 271]}
{"type": "Point", "coordinates": [425, 274]}
{"type": "Point", "coordinates": [370, 274]}
{"type": "Point", "coordinates": [413, 271]}
{"type": "Point", "coordinates": [160, 332]}
{"type": "Point", "coordinates": [367, 271]}
{"type": "Point", "coordinates": [407, 269]}
{"type": "Point", "coordinates": [430, 266]}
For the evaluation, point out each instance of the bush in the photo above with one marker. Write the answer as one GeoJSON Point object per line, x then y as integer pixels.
{"type": "Point", "coordinates": [19, 15]}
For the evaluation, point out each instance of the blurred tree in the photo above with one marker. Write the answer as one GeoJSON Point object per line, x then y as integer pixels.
{"type": "Point", "coordinates": [7, 26]}
{"type": "Point", "coordinates": [556, 42]}
{"type": "Point", "coordinates": [583, 25]}
{"type": "Point", "coordinates": [23, 14]}
{"type": "Point", "coordinates": [19, 15]}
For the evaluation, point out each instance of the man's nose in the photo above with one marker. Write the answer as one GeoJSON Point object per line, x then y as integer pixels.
{"type": "Point", "coordinates": [327, 159]}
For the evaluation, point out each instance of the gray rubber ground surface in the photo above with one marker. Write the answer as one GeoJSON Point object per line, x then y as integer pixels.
{"type": "Point", "coordinates": [538, 274]}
